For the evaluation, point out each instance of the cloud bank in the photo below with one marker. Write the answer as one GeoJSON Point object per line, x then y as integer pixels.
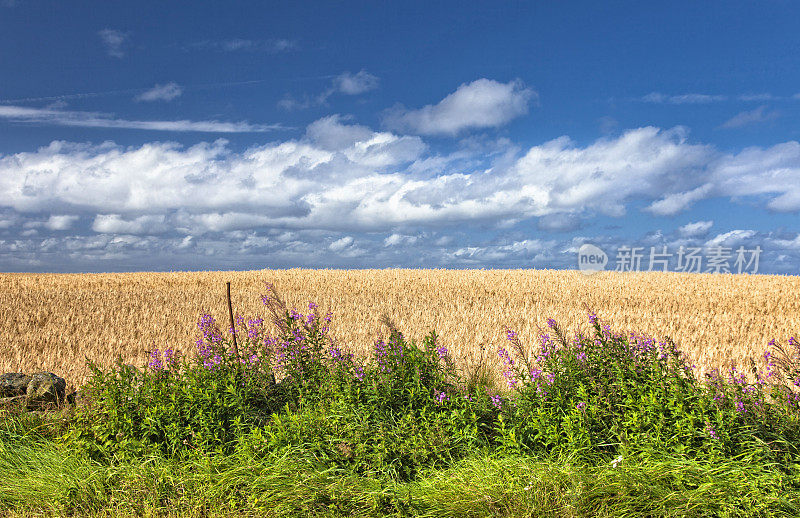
{"type": "Point", "coordinates": [345, 192]}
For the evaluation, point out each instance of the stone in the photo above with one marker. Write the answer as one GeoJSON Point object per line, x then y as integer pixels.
{"type": "Point", "coordinates": [13, 384]}
{"type": "Point", "coordinates": [45, 388]}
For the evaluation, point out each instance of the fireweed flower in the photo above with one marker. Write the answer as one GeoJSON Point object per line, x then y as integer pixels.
{"type": "Point", "coordinates": [497, 401]}
{"type": "Point", "coordinates": [592, 318]}
{"type": "Point", "coordinates": [155, 360]}
{"type": "Point", "coordinates": [551, 323]}
{"type": "Point", "coordinates": [508, 374]}
{"type": "Point", "coordinates": [170, 357]}
{"type": "Point", "coordinates": [581, 405]}
{"type": "Point", "coordinates": [710, 431]}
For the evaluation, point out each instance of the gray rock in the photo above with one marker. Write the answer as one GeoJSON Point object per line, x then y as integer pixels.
{"type": "Point", "coordinates": [13, 384]}
{"type": "Point", "coordinates": [45, 388]}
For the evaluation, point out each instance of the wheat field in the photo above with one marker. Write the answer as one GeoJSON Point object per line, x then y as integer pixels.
{"type": "Point", "coordinates": [55, 321]}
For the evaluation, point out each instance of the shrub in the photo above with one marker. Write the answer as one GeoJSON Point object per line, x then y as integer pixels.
{"type": "Point", "coordinates": [610, 393]}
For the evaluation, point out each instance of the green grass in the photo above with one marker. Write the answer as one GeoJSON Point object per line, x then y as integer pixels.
{"type": "Point", "coordinates": [601, 425]}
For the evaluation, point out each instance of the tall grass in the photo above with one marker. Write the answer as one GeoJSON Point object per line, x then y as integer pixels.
{"type": "Point", "coordinates": [593, 423]}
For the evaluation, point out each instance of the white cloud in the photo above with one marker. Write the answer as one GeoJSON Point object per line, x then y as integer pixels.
{"type": "Point", "coordinates": [283, 199]}
{"type": "Point", "coordinates": [341, 244]}
{"type": "Point", "coordinates": [730, 239]}
{"type": "Point", "coordinates": [680, 201]}
{"type": "Point", "coordinates": [114, 224]}
{"type": "Point", "coordinates": [345, 83]}
{"type": "Point", "coordinates": [115, 42]}
{"type": "Point", "coordinates": [165, 92]}
{"type": "Point", "coordinates": [399, 239]}
{"type": "Point", "coordinates": [360, 144]}
{"type": "Point", "coordinates": [746, 118]}
{"type": "Point", "coordinates": [60, 222]}
{"type": "Point", "coordinates": [483, 103]}
{"type": "Point", "coordinates": [354, 84]}
{"type": "Point", "coordinates": [697, 228]}
{"type": "Point", "coordinates": [758, 171]}
{"type": "Point", "coordinates": [53, 117]}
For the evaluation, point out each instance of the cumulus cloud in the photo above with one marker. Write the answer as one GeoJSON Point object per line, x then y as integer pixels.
{"type": "Point", "coordinates": [377, 188]}
{"type": "Point", "coordinates": [115, 42]}
{"type": "Point", "coordinates": [57, 117]}
{"type": "Point", "coordinates": [399, 239]}
{"type": "Point", "coordinates": [695, 229]}
{"type": "Point", "coordinates": [773, 172]}
{"type": "Point", "coordinates": [165, 92]}
{"type": "Point", "coordinates": [747, 118]}
{"type": "Point", "coordinates": [344, 176]}
{"type": "Point", "coordinates": [341, 244]}
{"type": "Point", "coordinates": [114, 224]}
{"type": "Point", "coordinates": [60, 222]}
{"type": "Point", "coordinates": [483, 103]}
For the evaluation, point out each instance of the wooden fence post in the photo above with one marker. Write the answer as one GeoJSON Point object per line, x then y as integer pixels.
{"type": "Point", "coordinates": [233, 327]}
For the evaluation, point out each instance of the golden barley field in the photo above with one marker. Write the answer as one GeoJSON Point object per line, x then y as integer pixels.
{"type": "Point", "coordinates": [54, 321]}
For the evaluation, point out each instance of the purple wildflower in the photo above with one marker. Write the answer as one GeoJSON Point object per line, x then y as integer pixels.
{"type": "Point", "coordinates": [170, 357]}
{"type": "Point", "coordinates": [497, 401]}
{"type": "Point", "coordinates": [710, 431]}
{"type": "Point", "coordinates": [155, 360]}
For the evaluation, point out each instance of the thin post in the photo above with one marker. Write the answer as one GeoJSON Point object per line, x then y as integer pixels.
{"type": "Point", "coordinates": [233, 327]}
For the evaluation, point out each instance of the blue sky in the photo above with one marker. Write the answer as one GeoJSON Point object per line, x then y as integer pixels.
{"type": "Point", "coordinates": [244, 135]}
